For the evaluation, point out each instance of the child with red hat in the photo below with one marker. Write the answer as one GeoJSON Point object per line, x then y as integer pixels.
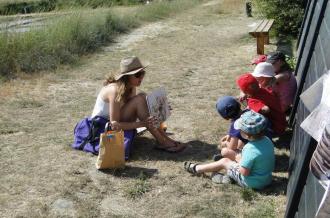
{"type": "Point", "coordinates": [262, 101]}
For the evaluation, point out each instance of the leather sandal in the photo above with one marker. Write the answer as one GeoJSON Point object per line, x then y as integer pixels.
{"type": "Point", "coordinates": [190, 168]}
{"type": "Point", "coordinates": [173, 149]}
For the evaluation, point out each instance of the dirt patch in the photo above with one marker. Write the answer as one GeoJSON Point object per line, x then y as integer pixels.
{"type": "Point", "coordinates": [147, 32]}
{"type": "Point", "coordinates": [197, 56]}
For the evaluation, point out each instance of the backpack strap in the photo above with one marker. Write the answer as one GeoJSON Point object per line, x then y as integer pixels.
{"type": "Point", "coordinates": [93, 134]}
{"type": "Point", "coordinates": [89, 136]}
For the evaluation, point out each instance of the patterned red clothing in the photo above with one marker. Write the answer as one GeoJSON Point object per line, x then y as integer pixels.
{"type": "Point", "coordinates": [266, 98]}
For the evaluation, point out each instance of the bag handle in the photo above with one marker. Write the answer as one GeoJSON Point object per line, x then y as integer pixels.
{"type": "Point", "coordinates": [107, 127]}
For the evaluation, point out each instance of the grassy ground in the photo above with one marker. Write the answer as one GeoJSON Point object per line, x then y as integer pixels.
{"type": "Point", "coordinates": [196, 55]}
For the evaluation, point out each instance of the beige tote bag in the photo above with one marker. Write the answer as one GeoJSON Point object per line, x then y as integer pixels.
{"type": "Point", "coordinates": [111, 151]}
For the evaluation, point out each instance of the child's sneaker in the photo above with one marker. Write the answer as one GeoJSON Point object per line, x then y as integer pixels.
{"type": "Point", "coordinates": [217, 157]}
{"type": "Point", "coordinates": [220, 178]}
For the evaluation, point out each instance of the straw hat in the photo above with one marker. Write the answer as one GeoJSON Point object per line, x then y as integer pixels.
{"type": "Point", "coordinates": [129, 66]}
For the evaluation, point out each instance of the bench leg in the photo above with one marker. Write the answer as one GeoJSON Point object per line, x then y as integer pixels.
{"type": "Point", "coordinates": [266, 39]}
{"type": "Point", "coordinates": [260, 45]}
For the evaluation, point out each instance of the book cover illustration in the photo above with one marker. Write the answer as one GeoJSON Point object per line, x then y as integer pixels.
{"type": "Point", "coordinates": [158, 105]}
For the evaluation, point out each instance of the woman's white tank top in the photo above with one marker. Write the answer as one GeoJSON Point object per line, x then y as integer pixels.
{"type": "Point", "coordinates": [101, 108]}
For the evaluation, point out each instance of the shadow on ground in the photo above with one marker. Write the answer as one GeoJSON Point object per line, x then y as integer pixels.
{"type": "Point", "coordinates": [282, 163]}
{"type": "Point", "coordinates": [144, 149]}
{"type": "Point", "coordinates": [277, 187]}
{"type": "Point", "coordinates": [284, 140]}
{"type": "Point", "coordinates": [132, 172]}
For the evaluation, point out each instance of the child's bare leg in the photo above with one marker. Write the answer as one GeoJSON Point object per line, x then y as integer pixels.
{"type": "Point", "coordinates": [223, 163]}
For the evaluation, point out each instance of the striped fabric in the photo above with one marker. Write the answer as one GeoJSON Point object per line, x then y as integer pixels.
{"type": "Point", "coordinates": [320, 161]}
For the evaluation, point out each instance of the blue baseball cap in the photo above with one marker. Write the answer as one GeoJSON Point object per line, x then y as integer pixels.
{"type": "Point", "coordinates": [251, 122]}
{"type": "Point", "coordinates": [228, 107]}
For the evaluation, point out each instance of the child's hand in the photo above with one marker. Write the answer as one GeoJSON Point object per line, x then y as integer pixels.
{"type": "Point", "coordinates": [115, 125]}
{"type": "Point", "coordinates": [225, 138]}
{"type": "Point", "coordinates": [223, 141]}
{"type": "Point", "coordinates": [238, 158]}
{"type": "Point", "coordinates": [264, 110]}
{"type": "Point", "coordinates": [242, 97]}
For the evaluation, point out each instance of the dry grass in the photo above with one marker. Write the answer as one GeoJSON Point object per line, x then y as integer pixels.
{"type": "Point", "coordinates": [196, 56]}
{"type": "Point", "coordinates": [230, 7]}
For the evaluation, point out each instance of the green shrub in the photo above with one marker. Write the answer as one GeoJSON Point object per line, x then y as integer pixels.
{"type": "Point", "coordinates": [288, 14]}
{"type": "Point", "coordinates": [33, 6]}
{"type": "Point", "coordinates": [64, 40]}
{"type": "Point", "coordinates": [95, 3]}
{"type": "Point", "coordinates": [8, 8]}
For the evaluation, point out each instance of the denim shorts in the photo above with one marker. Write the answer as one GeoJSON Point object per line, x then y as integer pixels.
{"type": "Point", "coordinates": [234, 174]}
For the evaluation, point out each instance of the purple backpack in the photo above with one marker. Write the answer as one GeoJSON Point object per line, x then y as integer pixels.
{"type": "Point", "coordinates": [87, 135]}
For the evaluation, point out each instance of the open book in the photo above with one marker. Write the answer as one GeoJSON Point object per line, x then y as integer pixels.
{"type": "Point", "coordinates": [158, 106]}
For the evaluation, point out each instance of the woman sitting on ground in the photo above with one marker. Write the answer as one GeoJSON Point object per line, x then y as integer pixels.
{"type": "Point", "coordinates": [127, 110]}
{"type": "Point", "coordinates": [285, 83]}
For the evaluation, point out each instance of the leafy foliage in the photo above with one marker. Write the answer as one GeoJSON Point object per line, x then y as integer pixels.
{"type": "Point", "coordinates": [292, 61]}
{"type": "Point", "coordinates": [25, 7]}
{"type": "Point", "coordinates": [288, 14]}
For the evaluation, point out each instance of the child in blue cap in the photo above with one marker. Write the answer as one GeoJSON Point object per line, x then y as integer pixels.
{"type": "Point", "coordinates": [231, 144]}
{"type": "Point", "coordinates": [254, 167]}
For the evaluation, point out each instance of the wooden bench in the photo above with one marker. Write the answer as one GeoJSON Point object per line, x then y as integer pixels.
{"type": "Point", "coordinates": [261, 32]}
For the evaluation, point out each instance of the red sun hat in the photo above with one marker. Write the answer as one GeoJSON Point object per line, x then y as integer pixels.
{"type": "Point", "coordinates": [259, 59]}
{"type": "Point", "coordinates": [245, 81]}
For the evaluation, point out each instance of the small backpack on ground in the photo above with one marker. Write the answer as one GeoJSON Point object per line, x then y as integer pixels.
{"type": "Point", "coordinates": [87, 135]}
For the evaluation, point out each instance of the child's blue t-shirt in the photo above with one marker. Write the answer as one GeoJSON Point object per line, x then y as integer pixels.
{"type": "Point", "coordinates": [258, 156]}
{"type": "Point", "coordinates": [232, 132]}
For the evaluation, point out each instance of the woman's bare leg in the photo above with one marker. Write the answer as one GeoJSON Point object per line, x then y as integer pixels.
{"type": "Point", "coordinates": [137, 108]}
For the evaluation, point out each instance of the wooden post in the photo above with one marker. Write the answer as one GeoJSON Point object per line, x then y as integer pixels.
{"type": "Point", "coordinates": [266, 38]}
{"type": "Point", "coordinates": [260, 45]}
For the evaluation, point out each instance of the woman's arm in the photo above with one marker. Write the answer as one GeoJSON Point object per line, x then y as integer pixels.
{"type": "Point", "coordinates": [114, 114]}
{"type": "Point", "coordinates": [282, 77]}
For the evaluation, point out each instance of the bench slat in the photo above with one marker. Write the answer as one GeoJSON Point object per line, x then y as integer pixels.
{"type": "Point", "coordinates": [262, 26]}
{"type": "Point", "coordinates": [269, 25]}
